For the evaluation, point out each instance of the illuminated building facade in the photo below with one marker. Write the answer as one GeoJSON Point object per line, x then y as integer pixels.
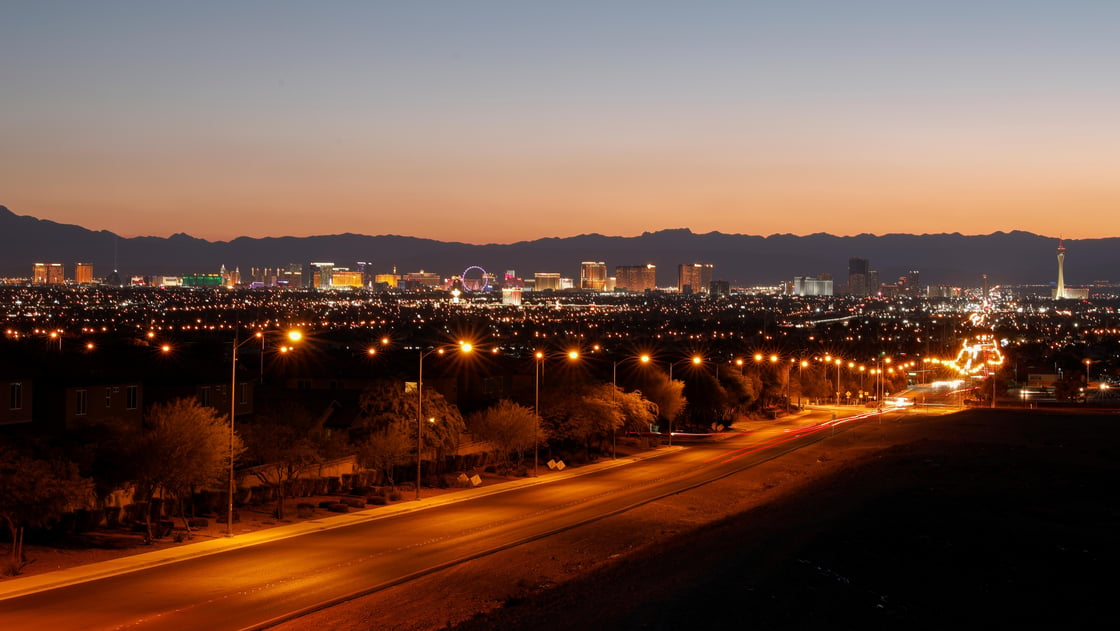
{"type": "Point", "coordinates": [389, 280]}
{"type": "Point", "coordinates": [593, 275]}
{"type": "Point", "coordinates": [636, 278]}
{"type": "Point", "coordinates": [83, 273]}
{"type": "Point", "coordinates": [546, 280]}
{"type": "Point", "coordinates": [48, 274]}
{"type": "Point", "coordinates": [694, 278]}
{"type": "Point", "coordinates": [421, 279]}
{"type": "Point", "coordinates": [806, 286]}
{"type": "Point", "coordinates": [342, 277]}
{"type": "Point", "coordinates": [201, 280]}
{"type": "Point", "coordinates": [321, 274]}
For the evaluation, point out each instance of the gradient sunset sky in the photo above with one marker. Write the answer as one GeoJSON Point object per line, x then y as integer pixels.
{"type": "Point", "coordinates": [494, 122]}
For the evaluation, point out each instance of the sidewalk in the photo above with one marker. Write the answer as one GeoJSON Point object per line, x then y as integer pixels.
{"type": "Point", "coordinates": [21, 586]}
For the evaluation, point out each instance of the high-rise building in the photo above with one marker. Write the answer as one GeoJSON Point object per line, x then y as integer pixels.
{"type": "Point", "coordinates": [806, 286]}
{"type": "Point", "coordinates": [857, 276]}
{"type": "Point", "coordinates": [421, 280]}
{"type": "Point", "coordinates": [636, 278]}
{"type": "Point", "coordinates": [366, 270]}
{"type": "Point", "coordinates": [546, 280]}
{"type": "Point", "coordinates": [291, 276]}
{"type": "Point", "coordinates": [342, 277]}
{"type": "Point", "coordinates": [390, 280]}
{"type": "Point", "coordinates": [913, 282]}
{"type": "Point", "coordinates": [593, 275]}
{"type": "Point", "coordinates": [83, 273]}
{"type": "Point", "coordinates": [873, 282]}
{"type": "Point", "coordinates": [694, 278]}
{"type": "Point", "coordinates": [48, 274]}
{"type": "Point", "coordinates": [321, 274]}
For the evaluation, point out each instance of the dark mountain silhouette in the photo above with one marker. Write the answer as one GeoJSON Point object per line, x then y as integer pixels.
{"type": "Point", "coordinates": [1007, 257]}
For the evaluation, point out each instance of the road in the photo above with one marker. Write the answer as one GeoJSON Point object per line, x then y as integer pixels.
{"type": "Point", "coordinates": [259, 585]}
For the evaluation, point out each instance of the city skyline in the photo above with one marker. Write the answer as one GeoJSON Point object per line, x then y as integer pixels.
{"type": "Point", "coordinates": [503, 122]}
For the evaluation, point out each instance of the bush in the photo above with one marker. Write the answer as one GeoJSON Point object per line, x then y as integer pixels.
{"type": "Point", "coordinates": [338, 507]}
{"type": "Point", "coordinates": [394, 495]}
{"type": "Point", "coordinates": [355, 502]}
{"type": "Point", "coordinates": [377, 500]}
{"type": "Point", "coordinates": [305, 510]}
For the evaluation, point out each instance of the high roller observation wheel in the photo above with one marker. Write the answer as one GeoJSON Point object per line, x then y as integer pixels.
{"type": "Point", "coordinates": [485, 277]}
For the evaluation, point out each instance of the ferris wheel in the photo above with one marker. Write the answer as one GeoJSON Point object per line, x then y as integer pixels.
{"type": "Point", "coordinates": [475, 278]}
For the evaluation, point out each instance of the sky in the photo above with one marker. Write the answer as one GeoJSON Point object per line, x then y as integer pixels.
{"type": "Point", "coordinates": [495, 122]}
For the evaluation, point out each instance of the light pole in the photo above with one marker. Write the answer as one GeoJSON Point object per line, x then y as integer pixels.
{"type": "Point", "coordinates": [695, 360]}
{"type": "Point", "coordinates": [838, 364]}
{"type": "Point", "coordinates": [538, 369]}
{"type": "Point", "coordinates": [801, 366]}
{"type": "Point", "coordinates": [464, 347]}
{"type": "Point", "coordinates": [294, 336]}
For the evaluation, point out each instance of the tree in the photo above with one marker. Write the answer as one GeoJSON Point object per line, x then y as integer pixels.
{"type": "Point", "coordinates": [739, 394]}
{"type": "Point", "coordinates": [385, 449]}
{"type": "Point", "coordinates": [707, 400]}
{"type": "Point", "coordinates": [282, 446]}
{"type": "Point", "coordinates": [34, 493]}
{"type": "Point", "coordinates": [182, 447]}
{"type": "Point", "coordinates": [388, 404]}
{"type": "Point", "coordinates": [638, 413]}
{"type": "Point", "coordinates": [511, 428]}
{"type": "Point", "coordinates": [580, 413]}
{"type": "Point", "coordinates": [667, 395]}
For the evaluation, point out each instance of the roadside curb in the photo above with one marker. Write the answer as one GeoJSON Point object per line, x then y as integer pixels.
{"type": "Point", "coordinates": [16, 587]}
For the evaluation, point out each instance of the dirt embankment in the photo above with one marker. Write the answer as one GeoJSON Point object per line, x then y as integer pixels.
{"type": "Point", "coordinates": [980, 519]}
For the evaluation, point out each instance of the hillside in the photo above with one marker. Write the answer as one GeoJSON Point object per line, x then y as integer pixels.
{"type": "Point", "coordinates": [1007, 257]}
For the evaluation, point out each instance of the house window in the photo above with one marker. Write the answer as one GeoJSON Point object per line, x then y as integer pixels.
{"type": "Point", "coordinates": [108, 398]}
{"type": "Point", "coordinates": [132, 396]}
{"type": "Point", "coordinates": [80, 403]}
{"type": "Point", "coordinates": [15, 396]}
{"type": "Point", "coordinates": [244, 394]}
{"type": "Point", "coordinates": [205, 396]}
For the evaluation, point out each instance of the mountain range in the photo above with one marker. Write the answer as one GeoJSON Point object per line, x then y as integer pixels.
{"type": "Point", "coordinates": [745, 260]}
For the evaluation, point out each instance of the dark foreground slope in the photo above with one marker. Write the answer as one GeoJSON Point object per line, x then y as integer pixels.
{"type": "Point", "coordinates": [982, 519]}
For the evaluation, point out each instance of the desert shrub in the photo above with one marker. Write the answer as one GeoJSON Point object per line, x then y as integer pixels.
{"type": "Point", "coordinates": [354, 502]}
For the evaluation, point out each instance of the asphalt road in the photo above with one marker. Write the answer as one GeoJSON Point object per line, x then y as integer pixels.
{"type": "Point", "coordinates": [266, 583]}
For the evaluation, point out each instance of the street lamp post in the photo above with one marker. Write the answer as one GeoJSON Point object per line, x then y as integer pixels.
{"type": "Point", "coordinates": [838, 364]}
{"type": "Point", "coordinates": [463, 347]}
{"type": "Point", "coordinates": [539, 368]}
{"type": "Point", "coordinates": [800, 380]}
{"type": "Point", "coordinates": [695, 360]}
{"type": "Point", "coordinates": [294, 336]}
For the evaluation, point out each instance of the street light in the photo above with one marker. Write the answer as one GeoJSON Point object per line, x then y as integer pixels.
{"type": "Point", "coordinates": [464, 347]}
{"type": "Point", "coordinates": [537, 369]}
{"type": "Point", "coordinates": [695, 360]}
{"type": "Point", "coordinates": [294, 336]}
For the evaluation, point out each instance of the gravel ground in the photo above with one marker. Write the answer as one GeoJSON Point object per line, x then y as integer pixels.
{"type": "Point", "coordinates": [978, 519]}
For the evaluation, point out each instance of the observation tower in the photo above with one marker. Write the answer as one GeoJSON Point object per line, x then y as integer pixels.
{"type": "Point", "coordinates": [1060, 290]}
